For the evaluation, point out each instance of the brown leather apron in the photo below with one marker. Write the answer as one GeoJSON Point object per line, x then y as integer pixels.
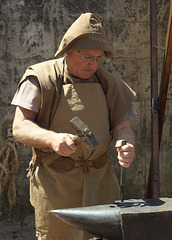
{"type": "Point", "coordinates": [53, 188]}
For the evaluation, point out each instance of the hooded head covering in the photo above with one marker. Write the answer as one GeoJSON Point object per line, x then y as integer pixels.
{"type": "Point", "coordinates": [85, 33]}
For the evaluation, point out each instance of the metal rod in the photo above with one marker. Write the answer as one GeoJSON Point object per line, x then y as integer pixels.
{"type": "Point", "coordinates": [162, 48]}
{"type": "Point", "coordinates": [123, 177]}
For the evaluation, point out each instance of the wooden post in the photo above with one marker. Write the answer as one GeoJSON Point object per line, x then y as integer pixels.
{"type": "Point", "coordinates": [165, 74]}
{"type": "Point", "coordinates": [154, 169]}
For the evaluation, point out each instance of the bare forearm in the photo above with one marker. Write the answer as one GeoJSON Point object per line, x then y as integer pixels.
{"type": "Point", "coordinates": [26, 131]}
{"type": "Point", "coordinates": [125, 133]}
{"type": "Point", "coordinates": [30, 134]}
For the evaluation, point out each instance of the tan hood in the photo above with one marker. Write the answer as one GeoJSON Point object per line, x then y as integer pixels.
{"type": "Point", "coordinates": [85, 33]}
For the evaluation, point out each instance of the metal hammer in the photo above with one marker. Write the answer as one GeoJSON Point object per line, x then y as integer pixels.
{"type": "Point", "coordinates": [83, 134]}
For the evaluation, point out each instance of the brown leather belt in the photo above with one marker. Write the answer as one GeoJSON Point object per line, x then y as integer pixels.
{"type": "Point", "coordinates": [66, 163]}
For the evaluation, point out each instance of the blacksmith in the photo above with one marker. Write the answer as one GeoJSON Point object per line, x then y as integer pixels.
{"type": "Point", "coordinates": [49, 95]}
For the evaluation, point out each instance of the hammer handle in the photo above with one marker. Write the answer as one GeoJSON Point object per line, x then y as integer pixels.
{"type": "Point", "coordinates": [76, 140]}
{"type": "Point", "coordinates": [123, 177]}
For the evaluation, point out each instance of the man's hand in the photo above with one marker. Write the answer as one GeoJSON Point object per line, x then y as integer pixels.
{"type": "Point", "coordinates": [63, 144]}
{"type": "Point", "coordinates": [126, 153]}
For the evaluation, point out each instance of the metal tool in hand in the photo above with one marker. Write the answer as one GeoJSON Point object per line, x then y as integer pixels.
{"type": "Point", "coordinates": [83, 134]}
{"type": "Point", "coordinates": [123, 177]}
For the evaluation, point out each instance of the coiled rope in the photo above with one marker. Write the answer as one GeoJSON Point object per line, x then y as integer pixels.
{"type": "Point", "coordinates": [9, 166]}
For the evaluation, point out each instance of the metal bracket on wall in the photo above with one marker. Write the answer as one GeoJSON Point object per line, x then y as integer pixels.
{"type": "Point", "coordinates": [155, 105]}
{"type": "Point", "coordinates": [162, 48]}
{"type": "Point", "coordinates": [9, 132]}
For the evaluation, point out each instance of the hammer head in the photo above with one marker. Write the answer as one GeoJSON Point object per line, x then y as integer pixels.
{"type": "Point", "coordinates": [84, 133]}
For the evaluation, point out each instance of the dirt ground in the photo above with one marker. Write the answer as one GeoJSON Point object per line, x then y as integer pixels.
{"type": "Point", "coordinates": [24, 234]}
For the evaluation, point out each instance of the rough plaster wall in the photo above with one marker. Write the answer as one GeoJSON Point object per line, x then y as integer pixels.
{"type": "Point", "coordinates": [30, 32]}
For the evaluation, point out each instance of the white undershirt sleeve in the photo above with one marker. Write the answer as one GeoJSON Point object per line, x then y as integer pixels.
{"type": "Point", "coordinates": [28, 95]}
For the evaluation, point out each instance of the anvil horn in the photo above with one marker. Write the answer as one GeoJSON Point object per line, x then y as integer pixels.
{"type": "Point", "coordinates": [128, 220]}
{"type": "Point", "coordinates": [101, 220]}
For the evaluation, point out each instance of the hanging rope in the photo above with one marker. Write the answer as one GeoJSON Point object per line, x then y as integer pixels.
{"type": "Point", "coordinates": [9, 166]}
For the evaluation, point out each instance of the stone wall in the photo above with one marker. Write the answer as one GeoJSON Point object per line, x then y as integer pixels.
{"type": "Point", "coordinates": [30, 32]}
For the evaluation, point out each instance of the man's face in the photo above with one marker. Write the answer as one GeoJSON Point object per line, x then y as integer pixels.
{"type": "Point", "coordinates": [83, 63]}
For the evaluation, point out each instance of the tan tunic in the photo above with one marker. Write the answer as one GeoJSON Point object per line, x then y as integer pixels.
{"type": "Point", "coordinates": [76, 188]}
{"type": "Point", "coordinates": [52, 188]}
